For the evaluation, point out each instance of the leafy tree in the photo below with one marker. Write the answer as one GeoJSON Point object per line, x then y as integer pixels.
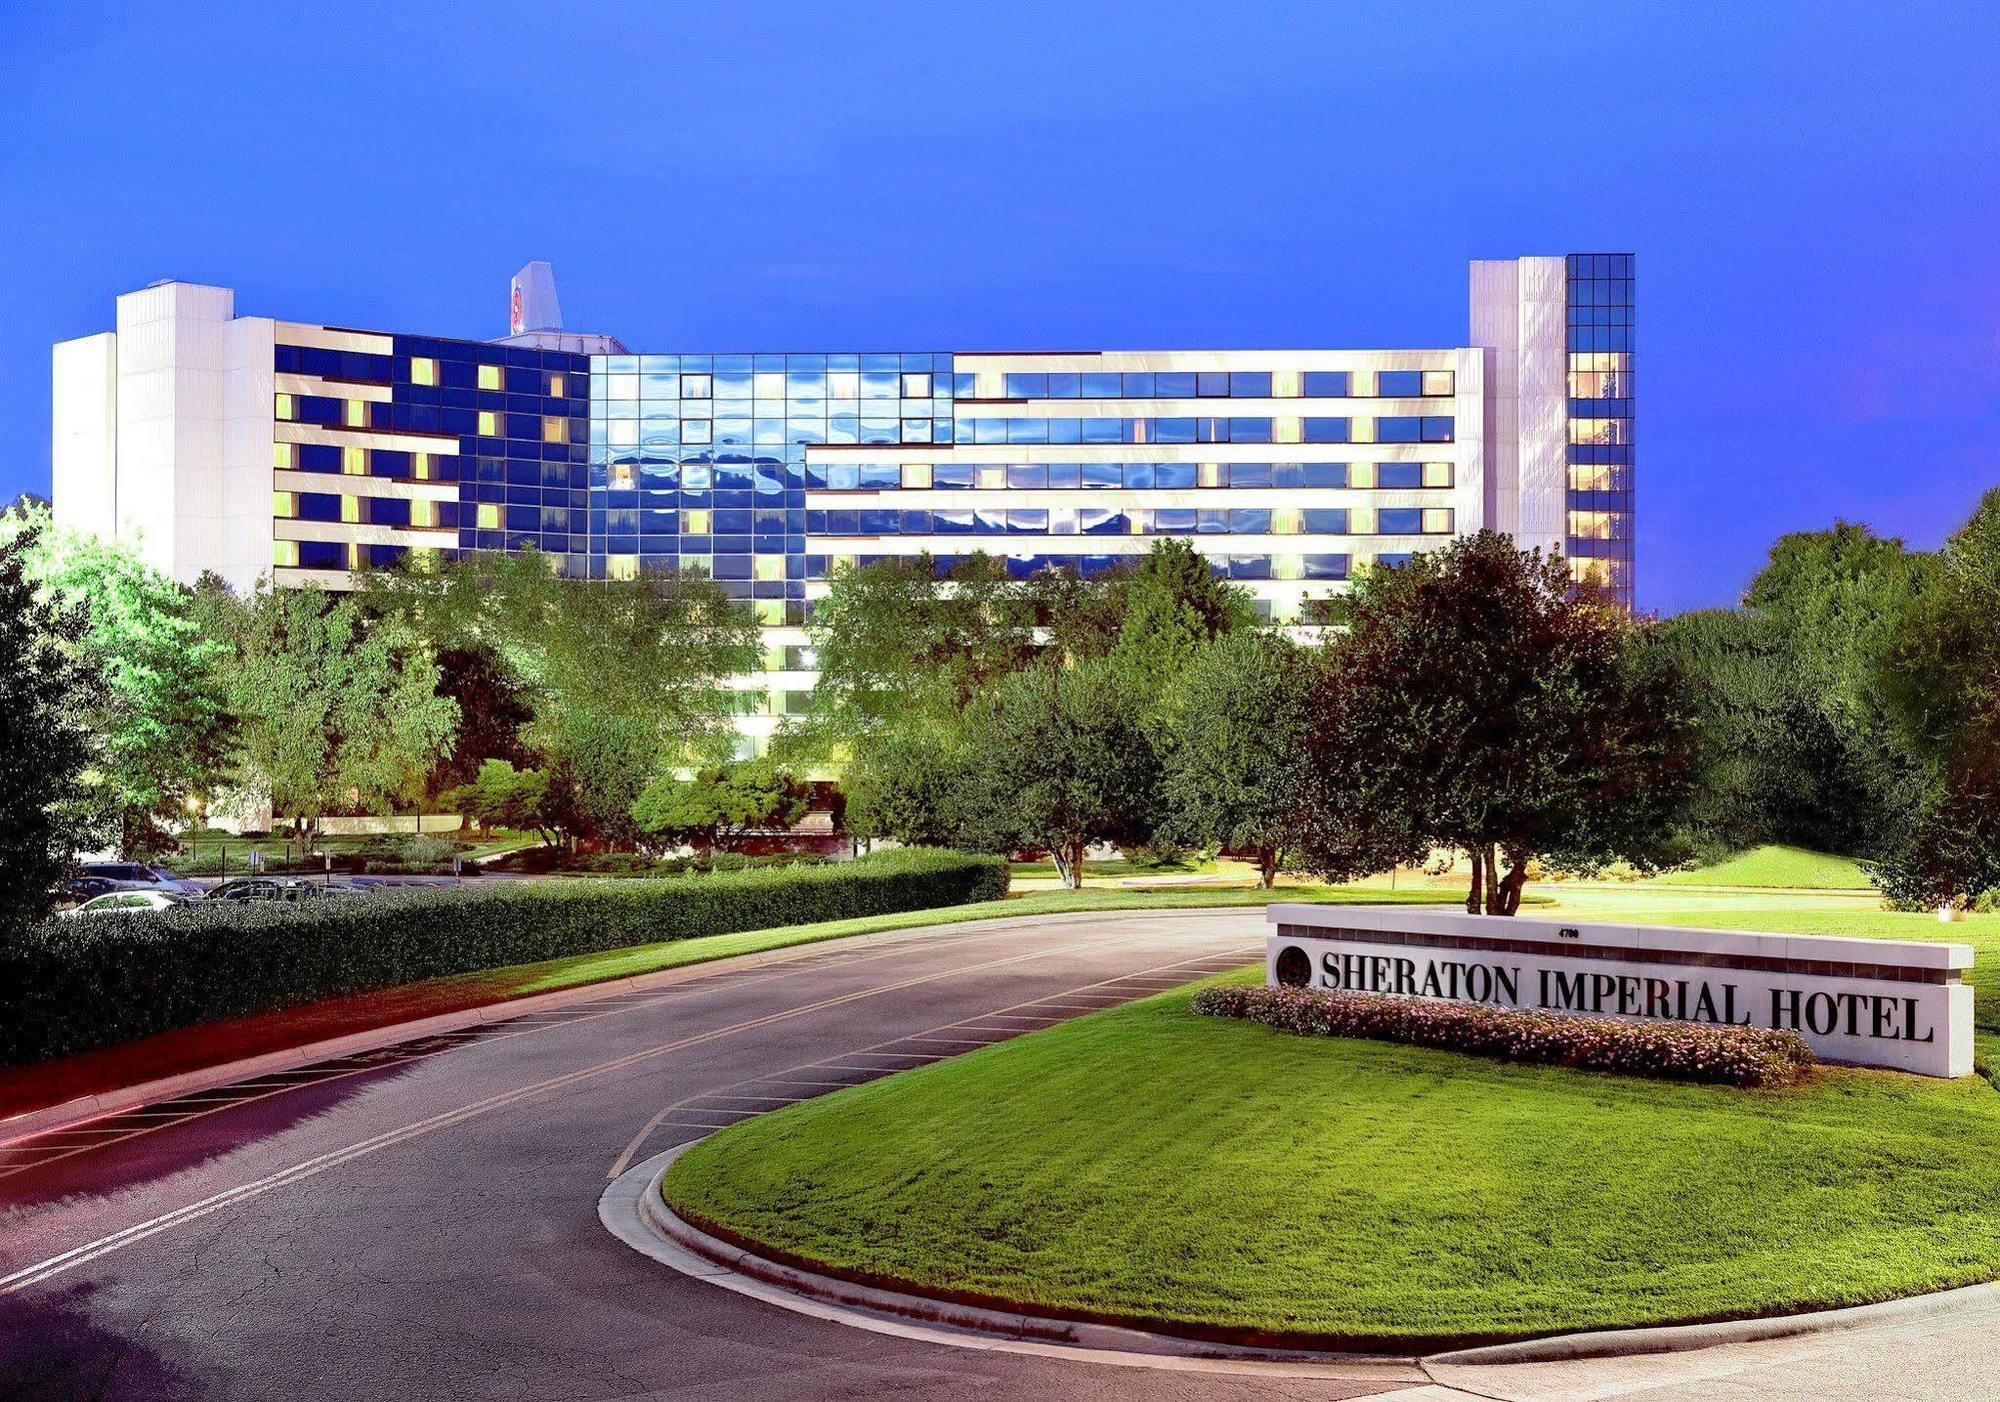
{"type": "Point", "coordinates": [1478, 702]}
{"type": "Point", "coordinates": [919, 785]}
{"type": "Point", "coordinates": [505, 797]}
{"type": "Point", "coordinates": [1235, 751]}
{"type": "Point", "coordinates": [161, 723]}
{"type": "Point", "coordinates": [1172, 604]}
{"type": "Point", "coordinates": [627, 678]}
{"type": "Point", "coordinates": [493, 711]}
{"type": "Point", "coordinates": [1774, 765]}
{"type": "Point", "coordinates": [720, 805]}
{"type": "Point", "coordinates": [894, 638]}
{"type": "Point", "coordinates": [337, 713]}
{"type": "Point", "coordinates": [1064, 763]}
{"type": "Point", "coordinates": [48, 752]}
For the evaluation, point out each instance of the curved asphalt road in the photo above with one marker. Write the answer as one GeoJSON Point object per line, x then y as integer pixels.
{"type": "Point", "coordinates": [428, 1229]}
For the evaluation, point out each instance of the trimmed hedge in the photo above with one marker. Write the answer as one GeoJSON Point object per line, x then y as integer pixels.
{"type": "Point", "coordinates": [72, 985]}
{"type": "Point", "coordinates": [1678, 1051]}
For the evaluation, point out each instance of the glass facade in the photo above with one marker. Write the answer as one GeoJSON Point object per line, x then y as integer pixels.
{"type": "Point", "coordinates": [1599, 531]}
{"type": "Point", "coordinates": [700, 460]}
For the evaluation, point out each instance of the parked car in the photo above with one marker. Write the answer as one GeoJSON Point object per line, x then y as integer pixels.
{"type": "Point", "coordinates": [141, 876]}
{"type": "Point", "coordinates": [82, 888]}
{"type": "Point", "coordinates": [267, 888]}
{"type": "Point", "coordinates": [130, 903]}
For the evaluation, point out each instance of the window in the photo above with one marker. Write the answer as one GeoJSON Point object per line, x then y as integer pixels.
{"type": "Point", "coordinates": [1323, 520]}
{"type": "Point", "coordinates": [916, 385]}
{"type": "Point", "coordinates": [423, 370]}
{"type": "Point", "coordinates": [1399, 520]}
{"type": "Point", "coordinates": [286, 505]}
{"type": "Point", "coordinates": [1326, 384]}
{"type": "Point", "coordinates": [1439, 383]}
{"type": "Point", "coordinates": [1437, 474]}
{"type": "Point", "coordinates": [696, 520]}
{"type": "Point", "coordinates": [488, 516]}
{"type": "Point", "coordinates": [696, 387]}
{"type": "Point", "coordinates": [423, 513]}
{"type": "Point", "coordinates": [621, 566]}
{"type": "Point", "coordinates": [555, 428]}
{"type": "Point", "coordinates": [285, 552]}
{"type": "Point", "coordinates": [770, 612]}
{"type": "Point", "coordinates": [284, 454]}
{"type": "Point", "coordinates": [1437, 520]}
{"type": "Point", "coordinates": [916, 474]}
{"type": "Point", "coordinates": [420, 466]}
{"type": "Point", "coordinates": [1326, 430]}
{"type": "Point", "coordinates": [1600, 431]}
{"type": "Point", "coordinates": [769, 569]}
{"type": "Point", "coordinates": [1399, 474]}
{"type": "Point", "coordinates": [283, 407]}
{"type": "Point", "coordinates": [350, 510]}
{"type": "Point", "coordinates": [557, 386]}
{"type": "Point", "coordinates": [916, 430]}
{"type": "Point", "coordinates": [697, 432]}
{"type": "Point", "coordinates": [489, 424]}
{"type": "Point", "coordinates": [489, 377]}
{"type": "Point", "coordinates": [1399, 429]}
{"type": "Point", "coordinates": [354, 461]}
{"type": "Point", "coordinates": [1399, 384]}
{"type": "Point", "coordinates": [1249, 384]}
{"type": "Point", "coordinates": [992, 476]}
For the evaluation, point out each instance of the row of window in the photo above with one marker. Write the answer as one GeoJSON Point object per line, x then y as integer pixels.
{"type": "Point", "coordinates": [1600, 431]}
{"type": "Point", "coordinates": [484, 423]}
{"type": "Point", "coordinates": [774, 385]}
{"type": "Point", "coordinates": [1231, 384]}
{"type": "Point", "coordinates": [366, 368]}
{"type": "Point", "coordinates": [1071, 520]}
{"type": "Point", "coordinates": [363, 462]}
{"type": "Point", "coordinates": [728, 367]}
{"type": "Point", "coordinates": [364, 511]}
{"type": "Point", "coordinates": [1129, 476]}
{"type": "Point", "coordinates": [1429, 428]}
{"type": "Point", "coordinates": [750, 431]}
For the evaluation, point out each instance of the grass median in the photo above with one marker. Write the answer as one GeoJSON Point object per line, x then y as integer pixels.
{"type": "Point", "coordinates": [1149, 1164]}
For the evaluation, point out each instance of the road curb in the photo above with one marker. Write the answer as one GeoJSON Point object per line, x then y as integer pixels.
{"type": "Point", "coordinates": [90, 1107]}
{"type": "Point", "coordinates": [724, 1263]}
{"type": "Point", "coordinates": [633, 1210]}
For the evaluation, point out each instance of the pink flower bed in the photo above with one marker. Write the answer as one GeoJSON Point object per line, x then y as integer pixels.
{"type": "Point", "coordinates": [1680, 1051]}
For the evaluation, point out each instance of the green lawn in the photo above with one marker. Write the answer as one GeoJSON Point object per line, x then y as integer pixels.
{"type": "Point", "coordinates": [1150, 1163]}
{"type": "Point", "coordinates": [1794, 867]}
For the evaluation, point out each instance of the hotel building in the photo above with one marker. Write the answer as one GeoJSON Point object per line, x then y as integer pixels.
{"type": "Point", "coordinates": [298, 452]}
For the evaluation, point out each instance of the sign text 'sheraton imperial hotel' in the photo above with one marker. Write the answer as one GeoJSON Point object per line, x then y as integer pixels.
{"type": "Point", "coordinates": [257, 447]}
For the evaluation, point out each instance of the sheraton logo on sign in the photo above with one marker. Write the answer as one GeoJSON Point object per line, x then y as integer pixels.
{"type": "Point", "coordinates": [1871, 1002]}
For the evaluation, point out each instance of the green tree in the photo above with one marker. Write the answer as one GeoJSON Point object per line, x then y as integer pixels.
{"type": "Point", "coordinates": [501, 796]}
{"type": "Point", "coordinates": [1940, 688]}
{"type": "Point", "coordinates": [338, 712]}
{"type": "Point", "coordinates": [1171, 603]}
{"type": "Point", "coordinates": [48, 752]}
{"type": "Point", "coordinates": [1064, 763]}
{"type": "Point", "coordinates": [493, 712]}
{"type": "Point", "coordinates": [628, 679]}
{"type": "Point", "coordinates": [919, 785]}
{"type": "Point", "coordinates": [720, 805]}
{"type": "Point", "coordinates": [1478, 702]}
{"type": "Point", "coordinates": [1235, 746]}
{"type": "Point", "coordinates": [894, 638]}
{"type": "Point", "coordinates": [162, 725]}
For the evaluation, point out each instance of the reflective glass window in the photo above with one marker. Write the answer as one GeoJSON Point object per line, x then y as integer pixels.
{"type": "Point", "coordinates": [1325, 384]}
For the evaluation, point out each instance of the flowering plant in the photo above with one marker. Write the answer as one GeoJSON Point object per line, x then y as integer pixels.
{"type": "Point", "coordinates": [1683, 1051]}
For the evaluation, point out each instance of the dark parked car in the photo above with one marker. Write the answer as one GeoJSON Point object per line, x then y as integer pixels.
{"type": "Point", "coordinates": [141, 876]}
{"type": "Point", "coordinates": [266, 888]}
{"type": "Point", "coordinates": [78, 889]}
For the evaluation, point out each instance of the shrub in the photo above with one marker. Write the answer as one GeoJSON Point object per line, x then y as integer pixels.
{"type": "Point", "coordinates": [1680, 1051]}
{"type": "Point", "coordinates": [71, 985]}
{"type": "Point", "coordinates": [423, 852]}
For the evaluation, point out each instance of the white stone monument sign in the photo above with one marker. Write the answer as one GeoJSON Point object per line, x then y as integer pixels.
{"type": "Point", "coordinates": [1902, 1004]}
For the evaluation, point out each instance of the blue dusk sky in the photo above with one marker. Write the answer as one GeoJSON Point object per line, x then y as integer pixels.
{"type": "Point", "coordinates": [1809, 189]}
